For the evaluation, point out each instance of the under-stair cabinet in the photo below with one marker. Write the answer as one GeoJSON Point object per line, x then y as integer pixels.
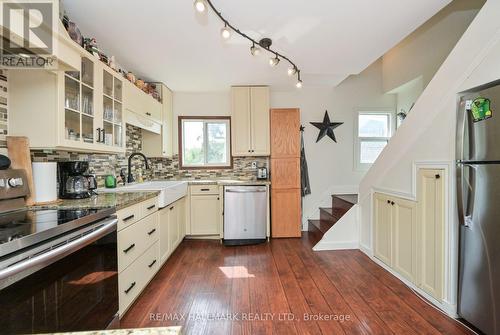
{"type": "Point", "coordinates": [409, 235]}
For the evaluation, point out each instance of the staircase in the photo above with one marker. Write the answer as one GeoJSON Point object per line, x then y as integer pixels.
{"type": "Point", "coordinates": [341, 203]}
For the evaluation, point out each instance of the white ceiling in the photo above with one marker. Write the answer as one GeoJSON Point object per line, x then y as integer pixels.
{"type": "Point", "coordinates": [167, 40]}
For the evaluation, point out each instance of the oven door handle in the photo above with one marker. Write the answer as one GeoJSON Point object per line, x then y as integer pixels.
{"type": "Point", "coordinates": [53, 255]}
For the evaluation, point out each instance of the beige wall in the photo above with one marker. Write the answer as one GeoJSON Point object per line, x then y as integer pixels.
{"type": "Point", "coordinates": [424, 50]}
{"type": "Point", "coordinates": [331, 165]}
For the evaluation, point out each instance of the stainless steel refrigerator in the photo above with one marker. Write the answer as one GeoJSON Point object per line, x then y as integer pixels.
{"type": "Point", "coordinates": [478, 195]}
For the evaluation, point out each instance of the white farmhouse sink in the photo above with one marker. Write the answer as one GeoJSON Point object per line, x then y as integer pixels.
{"type": "Point", "coordinates": [170, 191]}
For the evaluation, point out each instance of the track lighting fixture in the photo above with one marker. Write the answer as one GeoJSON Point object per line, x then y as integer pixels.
{"type": "Point", "coordinates": [292, 70]}
{"type": "Point", "coordinates": [225, 32]}
{"type": "Point", "coordinates": [299, 81]}
{"type": "Point", "coordinates": [255, 51]}
{"type": "Point", "coordinates": [200, 5]}
{"type": "Point", "coordinates": [257, 46]}
{"type": "Point", "coordinates": [274, 61]}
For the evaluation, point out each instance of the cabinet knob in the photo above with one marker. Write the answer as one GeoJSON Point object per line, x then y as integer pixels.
{"type": "Point", "coordinates": [437, 176]}
{"type": "Point", "coordinates": [392, 203]}
{"type": "Point", "coordinates": [388, 201]}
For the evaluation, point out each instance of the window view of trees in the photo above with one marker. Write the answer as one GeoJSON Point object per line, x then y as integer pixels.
{"type": "Point", "coordinates": [205, 142]}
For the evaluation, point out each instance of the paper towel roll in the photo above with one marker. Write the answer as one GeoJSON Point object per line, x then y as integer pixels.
{"type": "Point", "coordinates": [45, 181]}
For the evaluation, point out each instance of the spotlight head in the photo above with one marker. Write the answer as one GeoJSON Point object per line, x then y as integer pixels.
{"type": "Point", "coordinates": [200, 5]}
{"type": "Point", "coordinates": [292, 70]}
{"type": "Point", "coordinates": [274, 61]}
{"type": "Point", "coordinates": [225, 32]}
{"type": "Point", "coordinates": [299, 84]}
{"type": "Point", "coordinates": [255, 51]}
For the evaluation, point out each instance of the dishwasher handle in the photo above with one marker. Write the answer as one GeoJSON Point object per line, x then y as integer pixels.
{"type": "Point", "coordinates": [246, 191]}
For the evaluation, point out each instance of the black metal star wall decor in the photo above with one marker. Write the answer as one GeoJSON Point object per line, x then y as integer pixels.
{"type": "Point", "coordinates": [326, 128]}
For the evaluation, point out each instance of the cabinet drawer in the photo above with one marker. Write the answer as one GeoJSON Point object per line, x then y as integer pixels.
{"type": "Point", "coordinates": [204, 189]}
{"type": "Point", "coordinates": [134, 278]}
{"type": "Point", "coordinates": [133, 240]}
{"type": "Point", "coordinates": [149, 206]}
{"type": "Point", "coordinates": [129, 215]}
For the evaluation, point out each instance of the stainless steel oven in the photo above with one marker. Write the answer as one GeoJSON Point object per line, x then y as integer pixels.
{"type": "Point", "coordinates": [68, 282]}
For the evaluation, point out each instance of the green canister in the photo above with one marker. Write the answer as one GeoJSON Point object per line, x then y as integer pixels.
{"type": "Point", "coordinates": [110, 181]}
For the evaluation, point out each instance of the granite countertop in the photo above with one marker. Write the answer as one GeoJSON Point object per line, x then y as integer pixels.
{"type": "Point", "coordinates": [227, 182]}
{"type": "Point", "coordinates": [118, 199]}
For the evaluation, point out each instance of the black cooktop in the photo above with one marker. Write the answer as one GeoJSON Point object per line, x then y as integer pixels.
{"type": "Point", "coordinates": [30, 226]}
{"type": "Point", "coordinates": [17, 224]}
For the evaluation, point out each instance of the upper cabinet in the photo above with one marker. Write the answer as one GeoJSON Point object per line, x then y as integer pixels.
{"type": "Point", "coordinates": [250, 121]}
{"type": "Point", "coordinates": [142, 104]}
{"type": "Point", "coordinates": [160, 145]}
{"type": "Point", "coordinates": [72, 110]}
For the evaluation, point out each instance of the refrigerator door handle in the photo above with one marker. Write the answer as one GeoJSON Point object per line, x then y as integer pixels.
{"type": "Point", "coordinates": [464, 210]}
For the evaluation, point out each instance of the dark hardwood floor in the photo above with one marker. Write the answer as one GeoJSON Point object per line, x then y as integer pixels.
{"type": "Point", "coordinates": [267, 289]}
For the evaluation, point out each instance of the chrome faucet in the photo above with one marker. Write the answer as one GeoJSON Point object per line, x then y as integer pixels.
{"type": "Point", "coordinates": [130, 178]}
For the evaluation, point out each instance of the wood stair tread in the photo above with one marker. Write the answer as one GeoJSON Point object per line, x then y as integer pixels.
{"type": "Point", "coordinates": [322, 225]}
{"type": "Point", "coordinates": [349, 198]}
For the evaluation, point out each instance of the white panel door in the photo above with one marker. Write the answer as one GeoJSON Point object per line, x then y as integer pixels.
{"type": "Point", "coordinates": [240, 121]}
{"type": "Point", "coordinates": [205, 214]}
{"type": "Point", "coordinates": [430, 241]}
{"type": "Point", "coordinates": [382, 216]}
{"type": "Point", "coordinates": [259, 105]}
{"type": "Point", "coordinates": [404, 226]}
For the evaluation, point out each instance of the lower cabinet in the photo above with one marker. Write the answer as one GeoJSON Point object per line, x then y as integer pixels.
{"type": "Point", "coordinates": [395, 233]}
{"type": "Point", "coordinates": [409, 235]}
{"type": "Point", "coordinates": [138, 250]}
{"type": "Point", "coordinates": [172, 228]}
{"type": "Point", "coordinates": [205, 214]}
{"type": "Point", "coordinates": [430, 246]}
{"type": "Point", "coordinates": [146, 238]}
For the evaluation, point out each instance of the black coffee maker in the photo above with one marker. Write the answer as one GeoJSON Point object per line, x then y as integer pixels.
{"type": "Point", "coordinates": [73, 182]}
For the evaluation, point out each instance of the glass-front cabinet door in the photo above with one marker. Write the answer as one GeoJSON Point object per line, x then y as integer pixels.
{"type": "Point", "coordinates": [112, 110]}
{"type": "Point", "coordinates": [79, 103]}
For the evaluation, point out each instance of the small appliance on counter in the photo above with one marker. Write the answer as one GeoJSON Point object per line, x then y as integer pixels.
{"type": "Point", "coordinates": [262, 173]}
{"type": "Point", "coordinates": [73, 182]}
{"type": "Point", "coordinates": [45, 182]}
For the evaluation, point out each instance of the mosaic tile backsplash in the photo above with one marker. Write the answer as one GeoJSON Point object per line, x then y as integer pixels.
{"type": "Point", "coordinates": [160, 168]}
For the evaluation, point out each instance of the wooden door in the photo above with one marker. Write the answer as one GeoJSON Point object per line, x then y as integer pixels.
{"type": "Point", "coordinates": [285, 135]}
{"type": "Point", "coordinates": [240, 121]}
{"type": "Point", "coordinates": [204, 214]}
{"type": "Point", "coordinates": [259, 106]}
{"type": "Point", "coordinates": [286, 213]}
{"type": "Point", "coordinates": [404, 225]}
{"type": "Point", "coordinates": [430, 233]}
{"type": "Point", "coordinates": [382, 216]}
{"type": "Point", "coordinates": [285, 173]}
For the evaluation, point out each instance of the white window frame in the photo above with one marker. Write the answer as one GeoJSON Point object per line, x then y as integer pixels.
{"type": "Point", "coordinates": [206, 165]}
{"type": "Point", "coordinates": [357, 140]}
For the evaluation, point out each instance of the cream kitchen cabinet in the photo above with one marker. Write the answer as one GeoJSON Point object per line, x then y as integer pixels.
{"type": "Point", "coordinates": [172, 228]}
{"type": "Point", "coordinates": [140, 103]}
{"type": "Point", "coordinates": [204, 210]}
{"type": "Point", "coordinates": [72, 110]}
{"type": "Point", "coordinates": [430, 232]}
{"type": "Point", "coordinates": [250, 130]}
{"type": "Point", "coordinates": [138, 239]}
{"type": "Point", "coordinates": [160, 145]}
{"type": "Point", "coordinates": [396, 234]}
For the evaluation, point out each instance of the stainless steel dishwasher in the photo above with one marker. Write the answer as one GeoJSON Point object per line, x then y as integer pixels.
{"type": "Point", "coordinates": [245, 214]}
